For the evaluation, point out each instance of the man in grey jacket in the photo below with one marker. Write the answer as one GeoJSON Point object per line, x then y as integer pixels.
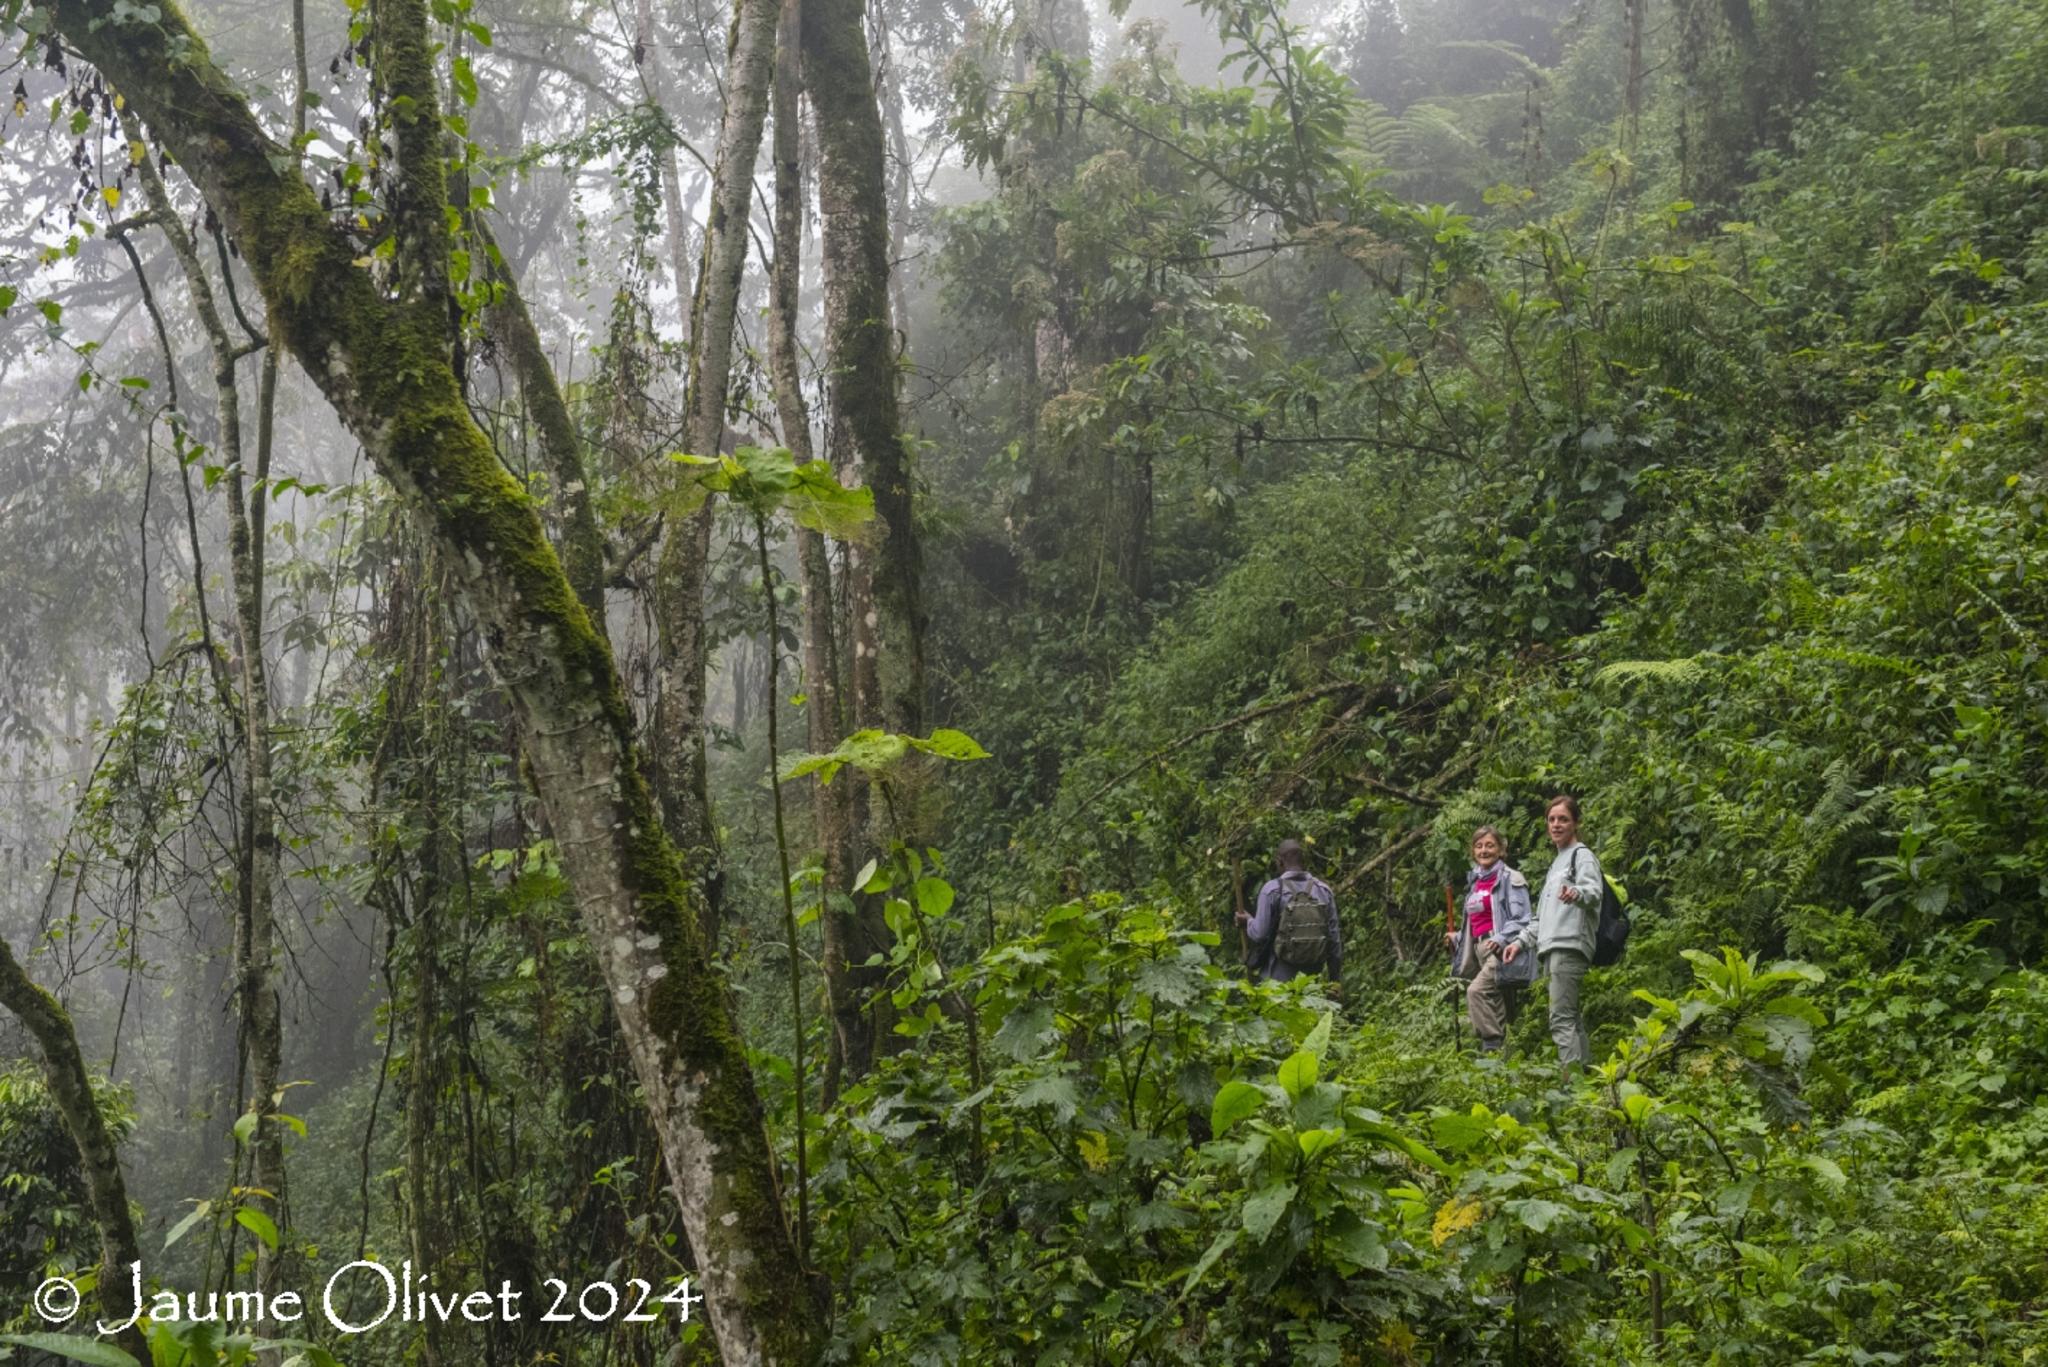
{"type": "Point", "coordinates": [1261, 928]}
{"type": "Point", "coordinates": [1567, 915]}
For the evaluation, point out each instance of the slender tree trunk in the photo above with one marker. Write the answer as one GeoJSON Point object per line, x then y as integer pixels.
{"type": "Point", "coordinates": [889, 97]}
{"type": "Point", "coordinates": [678, 722]}
{"type": "Point", "coordinates": [848, 941]}
{"type": "Point", "coordinates": [381, 356]}
{"type": "Point", "coordinates": [256, 928]}
{"type": "Point", "coordinates": [71, 1088]}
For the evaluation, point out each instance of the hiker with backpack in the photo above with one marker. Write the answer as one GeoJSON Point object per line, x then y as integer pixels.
{"type": "Point", "coordinates": [1496, 913]}
{"type": "Point", "coordinates": [1565, 931]}
{"type": "Point", "coordinates": [1294, 929]}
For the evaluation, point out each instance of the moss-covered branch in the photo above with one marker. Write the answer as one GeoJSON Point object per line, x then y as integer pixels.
{"type": "Point", "coordinates": [511, 326]}
{"type": "Point", "coordinates": [71, 1088]}
{"type": "Point", "coordinates": [382, 362]}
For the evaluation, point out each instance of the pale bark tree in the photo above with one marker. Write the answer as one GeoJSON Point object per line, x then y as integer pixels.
{"type": "Point", "coordinates": [677, 727]}
{"type": "Point", "coordinates": [881, 590]}
{"type": "Point", "coordinates": [380, 353]}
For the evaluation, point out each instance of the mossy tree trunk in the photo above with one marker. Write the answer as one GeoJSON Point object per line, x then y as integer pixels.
{"type": "Point", "coordinates": [71, 1088]}
{"type": "Point", "coordinates": [511, 326]}
{"type": "Point", "coordinates": [881, 587]}
{"type": "Point", "coordinates": [381, 357]}
{"type": "Point", "coordinates": [860, 345]}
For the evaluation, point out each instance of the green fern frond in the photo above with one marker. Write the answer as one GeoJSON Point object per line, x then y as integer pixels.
{"type": "Point", "coordinates": [1656, 671]}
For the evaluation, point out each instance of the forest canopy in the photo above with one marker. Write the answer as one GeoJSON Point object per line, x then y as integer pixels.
{"type": "Point", "coordinates": [895, 682]}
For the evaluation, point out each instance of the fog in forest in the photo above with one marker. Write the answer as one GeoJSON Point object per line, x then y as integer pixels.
{"type": "Point", "coordinates": [665, 640]}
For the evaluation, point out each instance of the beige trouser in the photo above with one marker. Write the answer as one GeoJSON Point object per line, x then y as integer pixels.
{"type": "Point", "coordinates": [1486, 997]}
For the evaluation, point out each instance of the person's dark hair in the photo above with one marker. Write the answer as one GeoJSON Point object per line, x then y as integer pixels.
{"type": "Point", "coordinates": [1493, 831]}
{"type": "Point", "coordinates": [1571, 804]}
{"type": "Point", "coordinates": [1288, 854]}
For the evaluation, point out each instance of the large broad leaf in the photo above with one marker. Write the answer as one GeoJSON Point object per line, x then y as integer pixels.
{"type": "Point", "coordinates": [947, 743]}
{"type": "Point", "coordinates": [1460, 1132]}
{"type": "Point", "coordinates": [184, 1226]}
{"type": "Point", "coordinates": [257, 1223]}
{"type": "Point", "coordinates": [1537, 1215]}
{"type": "Point", "coordinates": [1298, 1073]}
{"type": "Point", "coordinates": [1314, 1142]}
{"type": "Point", "coordinates": [820, 502]}
{"type": "Point", "coordinates": [1263, 1209]}
{"type": "Point", "coordinates": [871, 750]}
{"type": "Point", "coordinates": [1234, 1101]}
{"type": "Point", "coordinates": [1778, 1038]}
{"type": "Point", "coordinates": [1318, 1041]}
{"type": "Point", "coordinates": [85, 1350]}
{"type": "Point", "coordinates": [760, 476]}
{"type": "Point", "coordinates": [934, 896]}
{"type": "Point", "coordinates": [1224, 1242]}
{"type": "Point", "coordinates": [1025, 1031]}
{"type": "Point", "coordinates": [1354, 1241]}
{"type": "Point", "coordinates": [1168, 982]}
{"type": "Point", "coordinates": [1054, 1091]}
{"type": "Point", "coordinates": [1374, 1127]}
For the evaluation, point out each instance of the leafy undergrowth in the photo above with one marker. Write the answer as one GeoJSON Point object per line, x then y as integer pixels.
{"type": "Point", "coordinates": [1137, 1157]}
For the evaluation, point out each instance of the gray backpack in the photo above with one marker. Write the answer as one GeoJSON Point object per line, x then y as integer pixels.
{"type": "Point", "coordinates": [1301, 938]}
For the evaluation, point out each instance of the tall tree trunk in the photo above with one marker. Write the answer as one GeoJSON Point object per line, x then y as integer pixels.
{"type": "Point", "coordinates": [880, 588]}
{"type": "Point", "coordinates": [888, 618]}
{"type": "Point", "coordinates": [256, 926]}
{"type": "Point", "coordinates": [678, 723]}
{"type": "Point", "coordinates": [382, 359]}
{"type": "Point", "coordinates": [847, 942]}
{"type": "Point", "coordinates": [71, 1088]}
{"type": "Point", "coordinates": [889, 97]}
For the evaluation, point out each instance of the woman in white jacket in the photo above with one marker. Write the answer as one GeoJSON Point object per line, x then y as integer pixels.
{"type": "Point", "coordinates": [1561, 935]}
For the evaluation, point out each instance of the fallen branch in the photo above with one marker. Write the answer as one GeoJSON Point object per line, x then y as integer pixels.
{"type": "Point", "coordinates": [1392, 790]}
{"type": "Point", "coordinates": [1386, 855]}
{"type": "Point", "coordinates": [1455, 769]}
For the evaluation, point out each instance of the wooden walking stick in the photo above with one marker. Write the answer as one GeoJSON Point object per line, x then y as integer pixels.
{"type": "Point", "coordinates": [1244, 941]}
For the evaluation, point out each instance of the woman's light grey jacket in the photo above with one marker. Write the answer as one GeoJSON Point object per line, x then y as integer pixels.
{"type": "Point", "coordinates": [1566, 925]}
{"type": "Point", "coordinates": [1510, 919]}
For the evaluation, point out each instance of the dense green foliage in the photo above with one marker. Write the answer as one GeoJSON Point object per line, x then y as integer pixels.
{"type": "Point", "coordinates": [1727, 518]}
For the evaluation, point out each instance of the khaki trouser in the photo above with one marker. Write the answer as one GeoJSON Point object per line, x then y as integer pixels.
{"type": "Point", "coordinates": [1486, 996]}
{"type": "Point", "coordinates": [1567, 969]}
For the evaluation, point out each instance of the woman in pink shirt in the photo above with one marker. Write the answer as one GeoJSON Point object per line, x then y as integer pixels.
{"type": "Point", "coordinates": [1496, 911]}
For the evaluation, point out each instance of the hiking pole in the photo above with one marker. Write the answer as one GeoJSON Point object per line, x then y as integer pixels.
{"type": "Point", "coordinates": [1451, 928]}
